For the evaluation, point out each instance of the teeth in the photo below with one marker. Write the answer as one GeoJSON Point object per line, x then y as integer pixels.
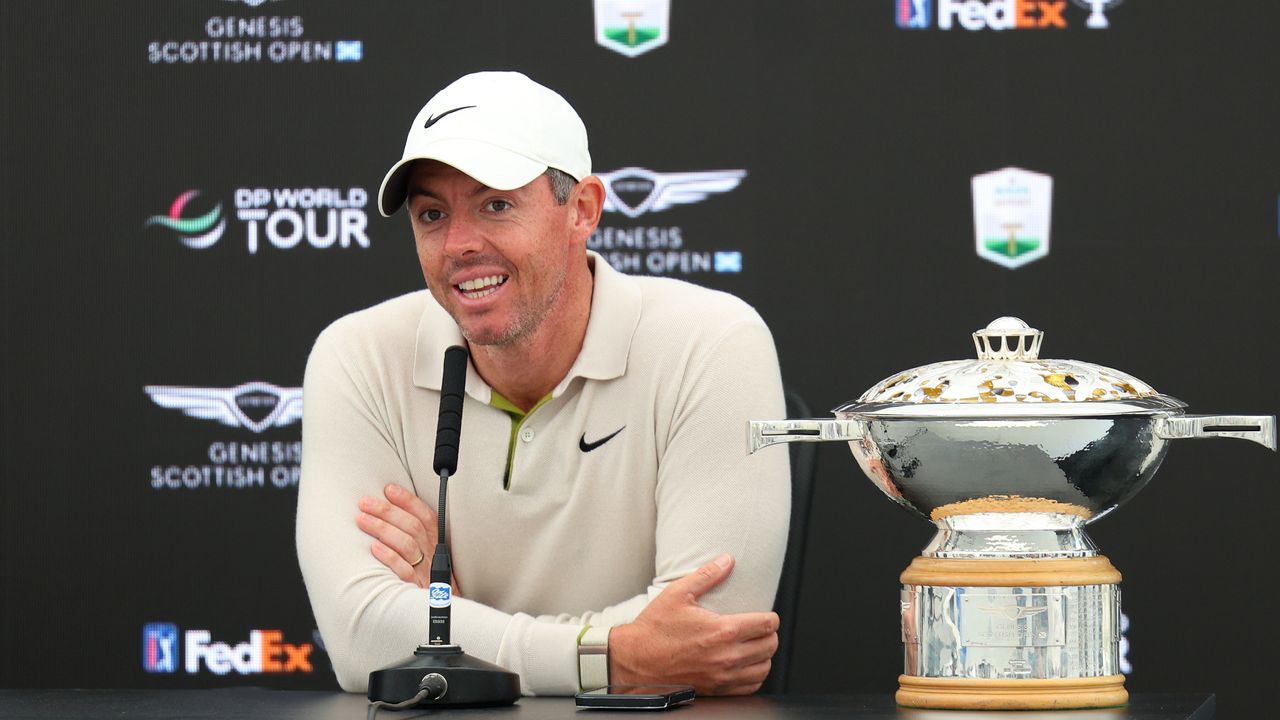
{"type": "Point", "coordinates": [479, 287]}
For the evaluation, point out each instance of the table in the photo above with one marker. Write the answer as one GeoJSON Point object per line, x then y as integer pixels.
{"type": "Point", "coordinates": [255, 703]}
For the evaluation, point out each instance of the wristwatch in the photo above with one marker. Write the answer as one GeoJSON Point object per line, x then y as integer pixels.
{"type": "Point", "coordinates": [593, 658]}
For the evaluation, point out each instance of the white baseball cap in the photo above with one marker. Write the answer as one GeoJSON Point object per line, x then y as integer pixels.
{"type": "Point", "coordinates": [501, 128]}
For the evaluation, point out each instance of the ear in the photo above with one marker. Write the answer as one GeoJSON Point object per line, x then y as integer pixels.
{"type": "Point", "coordinates": [586, 203]}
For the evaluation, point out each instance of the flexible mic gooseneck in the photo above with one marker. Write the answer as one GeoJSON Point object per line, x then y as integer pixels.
{"type": "Point", "coordinates": [448, 436]}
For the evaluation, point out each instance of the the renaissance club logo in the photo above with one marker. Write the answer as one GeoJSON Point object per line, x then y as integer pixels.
{"type": "Point", "coordinates": [254, 408]}
{"type": "Point", "coordinates": [660, 249]}
{"type": "Point", "coordinates": [264, 652]}
{"type": "Point", "coordinates": [1011, 216]}
{"type": "Point", "coordinates": [632, 27]}
{"type": "Point", "coordinates": [282, 218]}
{"type": "Point", "coordinates": [197, 232]}
{"type": "Point", "coordinates": [997, 14]}
{"type": "Point", "coordinates": [239, 39]}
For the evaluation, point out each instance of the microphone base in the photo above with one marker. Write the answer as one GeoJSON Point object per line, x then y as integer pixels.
{"type": "Point", "coordinates": [471, 682]}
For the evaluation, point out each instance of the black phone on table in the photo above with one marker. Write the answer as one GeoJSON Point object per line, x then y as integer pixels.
{"type": "Point", "coordinates": [635, 697]}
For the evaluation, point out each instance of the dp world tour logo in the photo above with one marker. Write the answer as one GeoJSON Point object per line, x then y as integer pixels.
{"type": "Point", "coordinates": [198, 232]}
{"type": "Point", "coordinates": [255, 406]}
{"type": "Point", "coordinates": [632, 27]}
{"type": "Point", "coordinates": [635, 191]}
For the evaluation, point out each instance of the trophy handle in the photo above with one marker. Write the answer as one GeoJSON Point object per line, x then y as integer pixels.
{"type": "Point", "coordinates": [763, 433]}
{"type": "Point", "coordinates": [1258, 428]}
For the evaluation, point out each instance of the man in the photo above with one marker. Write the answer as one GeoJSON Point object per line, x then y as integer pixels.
{"type": "Point", "coordinates": [604, 499]}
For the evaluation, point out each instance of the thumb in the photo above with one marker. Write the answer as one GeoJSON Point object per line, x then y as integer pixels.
{"type": "Point", "coordinates": [700, 581]}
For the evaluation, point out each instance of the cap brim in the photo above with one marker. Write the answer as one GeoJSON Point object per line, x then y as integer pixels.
{"type": "Point", "coordinates": [489, 165]}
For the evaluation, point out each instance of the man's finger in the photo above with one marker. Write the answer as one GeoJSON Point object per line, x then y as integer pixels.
{"type": "Point", "coordinates": [755, 624]}
{"type": "Point", "coordinates": [390, 536]}
{"type": "Point", "coordinates": [758, 650]}
{"type": "Point", "coordinates": [413, 505]}
{"type": "Point", "coordinates": [698, 582]}
{"type": "Point", "coordinates": [394, 561]}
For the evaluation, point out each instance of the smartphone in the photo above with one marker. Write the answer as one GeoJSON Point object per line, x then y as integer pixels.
{"type": "Point", "coordinates": [635, 697]}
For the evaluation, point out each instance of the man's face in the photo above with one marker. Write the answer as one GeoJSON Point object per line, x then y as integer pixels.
{"type": "Point", "coordinates": [494, 259]}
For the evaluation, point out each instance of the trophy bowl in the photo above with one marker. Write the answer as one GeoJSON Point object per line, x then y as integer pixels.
{"type": "Point", "coordinates": [1010, 606]}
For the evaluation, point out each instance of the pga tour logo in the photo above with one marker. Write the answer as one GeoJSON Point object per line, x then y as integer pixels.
{"type": "Point", "coordinates": [439, 595]}
{"type": "Point", "coordinates": [1011, 216]}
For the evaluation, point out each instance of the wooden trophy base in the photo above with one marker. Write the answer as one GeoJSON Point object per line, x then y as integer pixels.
{"type": "Point", "coordinates": [1008, 693]}
{"type": "Point", "coordinates": [978, 694]}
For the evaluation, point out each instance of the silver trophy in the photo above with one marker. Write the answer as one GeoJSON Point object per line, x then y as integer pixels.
{"type": "Point", "coordinates": [1098, 18]}
{"type": "Point", "coordinates": [1010, 606]}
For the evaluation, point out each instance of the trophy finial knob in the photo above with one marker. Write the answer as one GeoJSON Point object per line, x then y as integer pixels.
{"type": "Point", "coordinates": [1008, 338]}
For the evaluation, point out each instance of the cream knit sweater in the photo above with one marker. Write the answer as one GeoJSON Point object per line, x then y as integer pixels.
{"type": "Point", "coordinates": [579, 537]}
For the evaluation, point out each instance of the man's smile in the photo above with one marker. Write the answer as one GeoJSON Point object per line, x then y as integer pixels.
{"type": "Point", "coordinates": [477, 288]}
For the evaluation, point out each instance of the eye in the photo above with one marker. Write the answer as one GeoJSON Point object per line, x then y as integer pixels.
{"type": "Point", "coordinates": [430, 215]}
{"type": "Point", "coordinates": [497, 206]}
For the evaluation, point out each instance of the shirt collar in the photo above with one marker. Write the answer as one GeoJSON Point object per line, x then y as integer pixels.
{"type": "Point", "coordinates": [615, 314]}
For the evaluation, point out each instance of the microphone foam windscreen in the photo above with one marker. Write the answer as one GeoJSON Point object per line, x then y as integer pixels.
{"type": "Point", "coordinates": [449, 426]}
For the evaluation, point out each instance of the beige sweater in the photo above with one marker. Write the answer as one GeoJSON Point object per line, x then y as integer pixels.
{"type": "Point", "coordinates": [579, 537]}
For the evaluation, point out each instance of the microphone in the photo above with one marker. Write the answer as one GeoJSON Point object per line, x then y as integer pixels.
{"type": "Point", "coordinates": [448, 436]}
{"type": "Point", "coordinates": [449, 426]}
{"type": "Point", "coordinates": [440, 674]}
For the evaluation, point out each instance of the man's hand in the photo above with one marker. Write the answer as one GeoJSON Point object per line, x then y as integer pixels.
{"type": "Point", "coordinates": [676, 640]}
{"type": "Point", "coordinates": [404, 533]}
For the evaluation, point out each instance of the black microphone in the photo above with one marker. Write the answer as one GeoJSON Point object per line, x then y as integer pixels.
{"type": "Point", "coordinates": [448, 434]}
{"type": "Point", "coordinates": [449, 426]}
{"type": "Point", "coordinates": [440, 674]}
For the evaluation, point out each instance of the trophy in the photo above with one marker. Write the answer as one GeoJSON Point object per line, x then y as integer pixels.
{"type": "Point", "coordinates": [1010, 605]}
{"type": "Point", "coordinates": [1098, 18]}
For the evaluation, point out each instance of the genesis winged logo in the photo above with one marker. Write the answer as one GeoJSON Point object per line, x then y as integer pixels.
{"type": "Point", "coordinates": [195, 232]}
{"type": "Point", "coordinates": [635, 191]}
{"type": "Point", "coordinates": [1013, 612]}
{"type": "Point", "coordinates": [256, 406]}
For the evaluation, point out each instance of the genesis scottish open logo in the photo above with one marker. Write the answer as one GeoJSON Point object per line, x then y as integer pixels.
{"type": "Point", "coordinates": [253, 407]}
{"type": "Point", "coordinates": [660, 250]}
{"type": "Point", "coordinates": [632, 27]}
{"type": "Point", "coordinates": [198, 232]}
{"type": "Point", "coordinates": [282, 218]}
{"type": "Point", "coordinates": [239, 39]}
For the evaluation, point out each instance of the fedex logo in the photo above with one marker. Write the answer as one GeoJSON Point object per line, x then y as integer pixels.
{"type": "Point", "coordinates": [980, 15]}
{"type": "Point", "coordinates": [264, 652]}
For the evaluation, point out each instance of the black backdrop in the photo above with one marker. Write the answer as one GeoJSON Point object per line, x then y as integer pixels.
{"type": "Point", "coordinates": [854, 229]}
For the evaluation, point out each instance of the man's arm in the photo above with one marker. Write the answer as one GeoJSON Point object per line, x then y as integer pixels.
{"type": "Point", "coordinates": [712, 497]}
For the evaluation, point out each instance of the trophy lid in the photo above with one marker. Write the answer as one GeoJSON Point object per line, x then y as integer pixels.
{"type": "Point", "coordinates": [1009, 379]}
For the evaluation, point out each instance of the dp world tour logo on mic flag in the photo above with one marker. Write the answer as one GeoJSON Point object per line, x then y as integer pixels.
{"type": "Point", "coordinates": [194, 232]}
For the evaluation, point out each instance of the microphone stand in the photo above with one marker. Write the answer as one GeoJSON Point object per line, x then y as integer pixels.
{"type": "Point", "coordinates": [439, 673]}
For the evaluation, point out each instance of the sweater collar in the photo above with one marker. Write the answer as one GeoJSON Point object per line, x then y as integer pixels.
{"type": "Point", "coordinates": [615, 314]}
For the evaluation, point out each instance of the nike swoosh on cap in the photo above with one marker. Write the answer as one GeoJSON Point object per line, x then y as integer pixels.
{"type": "Point", "coordinates": [436, 118]}
{"type": "Point", "coordinates": [587, 447]}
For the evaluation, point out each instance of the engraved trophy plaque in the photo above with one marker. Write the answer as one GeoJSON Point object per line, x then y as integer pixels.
{"type": "Point", "coordinates": [1010, 605]}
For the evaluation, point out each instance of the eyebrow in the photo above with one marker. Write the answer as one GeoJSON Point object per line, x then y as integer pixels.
{"type": "Point", "coordinates": [420, 190]}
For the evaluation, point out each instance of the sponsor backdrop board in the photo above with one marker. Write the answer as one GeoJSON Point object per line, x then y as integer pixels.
{"type": "Point", "coordinates": [188, 195]}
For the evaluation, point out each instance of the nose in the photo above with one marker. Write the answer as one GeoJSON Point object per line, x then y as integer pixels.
{"type": "Point", "coordinates": [462, 237]}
